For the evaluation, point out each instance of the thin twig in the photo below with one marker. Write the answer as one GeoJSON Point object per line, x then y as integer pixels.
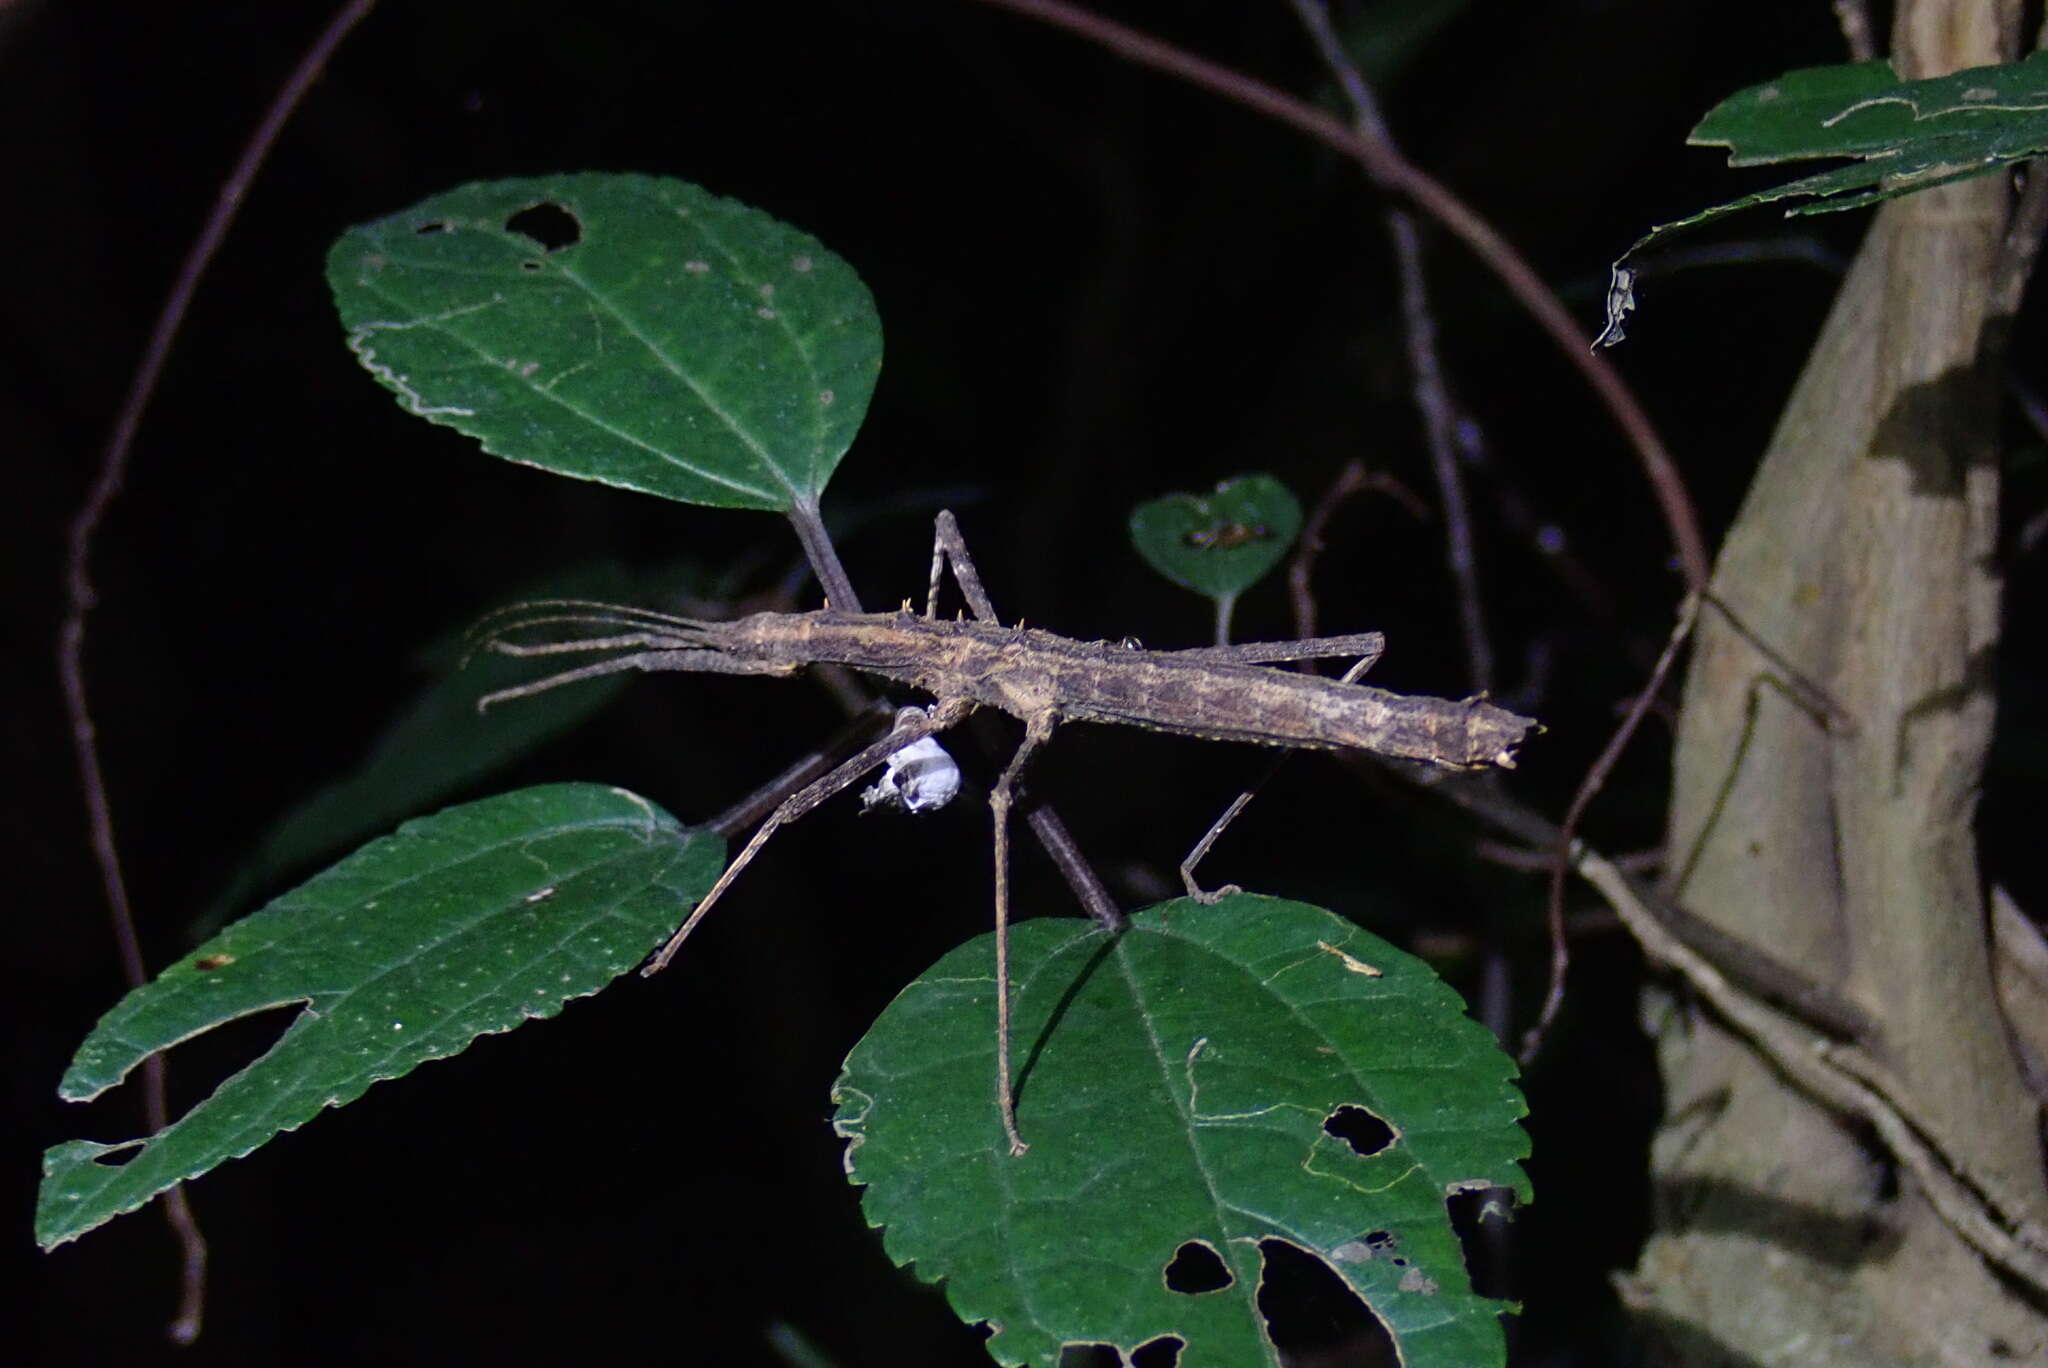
{"type": "Point", "coordinates": [1433, 399]}
{"type": "Point", "coordinates": [1226, 606]}
{"type": "Point", "coordinates": [1432, 395]}
{"type": "Point", "coordinates": [1392, 172]}
{"type": "Point", "coordinates": [1520, 516]}
{"type": "Point", "coordinates": [1301, 569]}
{"type": "Point", "coordinates": [1054, 838]}
{"type": "Point", "coordinates": [1567, 832]}
{"type": "Point", "coordinates": [1847, 1079]}
{"type": "Point", "coordinates": [1352, 479]}
{"type": "Point", "coordinates": [1541, 861]}
{"type": "Point", "coordinates": [81, 593]}
{"type": "Point", "coordinates": [1052, 833]}
{"type": "Point", "coordinates": [1772, 1006]}
{"type": "Point", "coordinates": [1755, 971]}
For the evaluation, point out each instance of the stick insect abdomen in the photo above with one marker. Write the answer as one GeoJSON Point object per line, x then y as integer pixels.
{"type": "Point", "coordinates": [1282, 708]}
{"type": "Point", "coordinates": [1026, 673]}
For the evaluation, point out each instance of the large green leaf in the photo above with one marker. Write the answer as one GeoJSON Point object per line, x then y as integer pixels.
{"type": "Point", "coordinates": [465, 923]}
{"type": "Point", "coordinates": [1904, 136]}
{"type": "Point", "coordinates": [629, 329]}
{"type": "Point", "coordinates": [1185, 1082]}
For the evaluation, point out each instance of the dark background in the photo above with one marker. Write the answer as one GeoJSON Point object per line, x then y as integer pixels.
{"type": "Point", "coordinates": [1098, 286]}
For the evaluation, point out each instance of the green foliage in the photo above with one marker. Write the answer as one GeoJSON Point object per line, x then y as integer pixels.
{"type": "Point", "coordinates": [1904, 136]}
{"type": "Point", "coordinates": [627, 329]}
{"type": "Point", "coordinates": [1218, 544]}
{"type": "Point", "coordinates": [1189, 1080]}
{"type": "Point", "coordinates": [462, 924]}
{"type": "Point", "coordinates": [438, 744]}
{"type": "Point", "coordinates": [1174, 1086]}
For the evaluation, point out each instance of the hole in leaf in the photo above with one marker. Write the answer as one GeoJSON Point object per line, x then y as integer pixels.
{"type": "Point", "coordinates": [1163, 1352]}
{"type": "Point", "coordinates": [1090, 1356]}
{"type": "Point", "coordinates": [224, 1048]}
{"type": "Point", "coordinates": [550, 225]}
{"type": "Point", "coordinates": [1310, 1311]}
{"type": "Point", "coordinates": [1360, 1129]}
{"type": "Point", "coordinates": [433, 226]}
{"type": "Point", "coordinates": [1480, 1215]}
{"type": "Point", "coordinates": [1197, 1268]}
{"type": "Point", "coordinates": [1374, 1244]}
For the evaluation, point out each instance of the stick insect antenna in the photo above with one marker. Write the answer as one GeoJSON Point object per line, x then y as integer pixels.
{"type": "Point", "coordinates": [488, 631]}
{"type": "Point", "coordinates": [598, 609]}
{"type": "Point", "coordinates": [669, 659]}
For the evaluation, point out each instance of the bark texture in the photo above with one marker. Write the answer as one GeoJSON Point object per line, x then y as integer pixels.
{"type": "Point", "coordinates": [1863, 561]}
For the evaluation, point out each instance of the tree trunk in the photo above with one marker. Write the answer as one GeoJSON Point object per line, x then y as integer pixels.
{"type": "Point", "coordinates": [1864, 561]}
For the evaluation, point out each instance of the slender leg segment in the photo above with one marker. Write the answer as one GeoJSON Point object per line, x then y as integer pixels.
{"type": "Point", "coordinates": [949, 546]}
{"type": "Point", "coordinates": [1243, 800]}
{"type": "Point", "coordinates": [1367, 646]}
{"type": "Point", "coordinates": [1037, 731]}
{"type": "Point", "coordinates": [943, 714]}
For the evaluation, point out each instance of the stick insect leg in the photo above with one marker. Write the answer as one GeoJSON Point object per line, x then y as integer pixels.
{"type": "Point", "coordinates": [1037, 731]}
{"type": "Point", "coordinates": [1239, 803]}
{"type": "Point", "coordinates": [1367, 646]}
{"type": "Point", "coordinates": [943, 715]}
{"type": "Point", "coordinates": [949, 545]}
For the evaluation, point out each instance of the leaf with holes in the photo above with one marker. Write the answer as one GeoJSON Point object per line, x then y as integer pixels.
{"type": "Point", "coordinates": [628, 329]}
{"type": "Point", "coordinates": [462, 924]}
{"type": "Point", "coordinates": [1218, 1079]}
{"type": "Point", "coordinates": [1218, 544]}
{"type": "Point", "coordinates": [1904, 136]}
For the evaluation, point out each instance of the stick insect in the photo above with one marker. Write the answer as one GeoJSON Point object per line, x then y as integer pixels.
{"type": "Point", "coordinates": [1218, 693]}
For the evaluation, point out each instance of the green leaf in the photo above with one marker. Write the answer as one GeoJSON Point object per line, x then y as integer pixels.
{"type": "Point", "coordinates": [628, 329]}
{"type": "Point", "coordinates": [1904, 135]}
{"type": "Point", "coordinates": [1220, 544]}
{"type": "Point", "coordinates": [1174, 1085]}
{"type": "Point", "coordinates": [462, 924]}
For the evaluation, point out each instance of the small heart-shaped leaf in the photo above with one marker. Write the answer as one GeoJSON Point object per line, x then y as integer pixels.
{"type": "Point", "coordinates": [1222, 543]}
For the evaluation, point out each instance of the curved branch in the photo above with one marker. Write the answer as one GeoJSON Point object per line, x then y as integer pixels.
{"type": "Point", "coordinates": [1391, 171]}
